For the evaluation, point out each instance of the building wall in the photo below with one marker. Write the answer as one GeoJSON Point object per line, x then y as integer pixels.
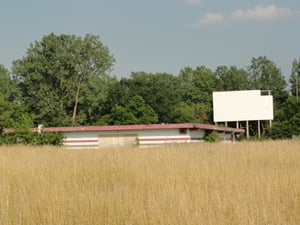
{"type": "Point", "coordinates": [101, 139]}
{"type": "Point", "coordinates": [197, 135]}
{"type": "Point", "coordinates": [226, 137]}
{"type": "Point", "coordinates": [154, 137]}
{"type": "Point", "coordinates": [117, 140]}
{"type": "Point", "coordinates": [81, 139]}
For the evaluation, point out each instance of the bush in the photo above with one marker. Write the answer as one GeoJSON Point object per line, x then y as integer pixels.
{"type": "Point", "coordinates": [48, 139]}
{"type": "Point", "coordinates": [212, 137]}
{"type": "Point", "coordinates": [27, 137]}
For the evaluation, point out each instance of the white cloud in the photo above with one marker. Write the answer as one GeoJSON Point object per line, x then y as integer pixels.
{"type": "Point", "coordinates": [262, 13]}
{"type": "Point", "coordinates": [193, 2]}
{"type": "Point", "coordinates": [259, 13]}
{"type": "Point", "coordinates": [209, 19]}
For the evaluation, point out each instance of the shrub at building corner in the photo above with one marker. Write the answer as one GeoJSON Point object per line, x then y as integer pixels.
{"type": "Point", "coordinates": [29, 138]}
{"type": "Point", "coordinates": [212, 137]}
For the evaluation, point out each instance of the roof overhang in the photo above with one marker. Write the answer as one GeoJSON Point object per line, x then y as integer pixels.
{"type": "Point", "coordinates": [136, 127]}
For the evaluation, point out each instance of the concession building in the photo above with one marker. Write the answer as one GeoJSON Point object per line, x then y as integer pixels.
{"type": "Point", "coordinates": [139, 135]}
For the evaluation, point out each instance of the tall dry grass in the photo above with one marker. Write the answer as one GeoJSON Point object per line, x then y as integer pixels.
{"type": "Point", "coordinates": [242, 183]}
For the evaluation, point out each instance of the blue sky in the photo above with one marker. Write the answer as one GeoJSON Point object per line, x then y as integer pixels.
{"type": "Point", "coordinates": [161, 35]}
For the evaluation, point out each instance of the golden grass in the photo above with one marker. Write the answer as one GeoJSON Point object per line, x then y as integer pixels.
{"type": "Point", "coordinates": [242, 183]}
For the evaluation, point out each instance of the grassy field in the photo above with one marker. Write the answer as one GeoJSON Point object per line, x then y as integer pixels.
{"type": "Point", "coordinates": [242, 183]}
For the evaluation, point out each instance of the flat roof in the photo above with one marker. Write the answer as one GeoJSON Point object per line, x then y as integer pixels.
{"type": "Point", "coordinates": [140, 127]}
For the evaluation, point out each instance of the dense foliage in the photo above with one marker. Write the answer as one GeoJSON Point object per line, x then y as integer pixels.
{"type": "Point", "coordinates": [26, 137]}
{"type": "Point", "coordinates": [212, 137]}
{"type": "Point", "coordinates": [55, 72]}
{"type": "Point", "coordinates": [65, 80]}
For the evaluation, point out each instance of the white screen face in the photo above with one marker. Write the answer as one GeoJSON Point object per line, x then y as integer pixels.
{"type": "Point", "coordinates": [242, 106]}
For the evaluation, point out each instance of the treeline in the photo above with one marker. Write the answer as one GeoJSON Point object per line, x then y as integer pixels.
{"type": "Point", "coordinates": [65, 80]}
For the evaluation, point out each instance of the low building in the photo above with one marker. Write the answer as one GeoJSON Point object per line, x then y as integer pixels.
{"type": "Point", "coordinates": [139, 135]}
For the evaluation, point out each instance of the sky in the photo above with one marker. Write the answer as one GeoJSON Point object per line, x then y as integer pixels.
{"type": "Point", "coordinates": [158, 36]}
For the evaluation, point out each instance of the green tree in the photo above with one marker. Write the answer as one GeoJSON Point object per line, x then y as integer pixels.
{"type": "Point", "coordinates": [92, 58]}
{"type": "Point", "coordinates": [117, 95]}
{"type": "Point", "coordinates": [94, 95]}
{"type": "Point", "coordinates": [265, 75]}
{"type": "Point", "coordinates": [5, 82]}
{"type": "Point", "coordinates": [5, 111]}
{"type": "Point", "coordinates": [295, 78]}
{"type": "Point", "coordinates": [198, 84]}
{"type": "Point", "coordinates": [160, 91]}
{"type": "Point", "coordinates": [119, 116]}
{"type": "Point", "coordinates": [231, 79]}
{"type": "Point", "coordinates": [8, 87]}
{"type": "Point", "coordinates": [53, 71]}
{"type": "Point", "coordinates": [20, 119]}
{"type": "Point", "coordinates": [196, 87]}
{"type": "Point", "coordinates": [202, 112]}
{"type": "Point", "coordinates": [135, 112]}
{"type": "Point", "coordinates": [143, 113]}
{"type": "Point", "coordinates": [287, 120]}
{"type": "Point", "coordinates": [191, 113]}
{"type": "Point", "coordinates": [183, 113]}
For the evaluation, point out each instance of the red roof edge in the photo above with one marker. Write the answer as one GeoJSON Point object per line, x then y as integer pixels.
{"type": "Point", "coordinates": [136, 127]}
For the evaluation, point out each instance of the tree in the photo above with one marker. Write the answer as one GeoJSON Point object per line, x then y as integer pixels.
{"type": "Point", "coordinates": [135, 112]}
{"type": "Point", "coordinates": [231, 79]}
{"type": "Point", "coordinates": [94, 95]}
{"type": "Point", "coordinates": [119, 116]}
{"type": "Point", "coordinates": [5, 111]}
{"type": "Point", "coordinates": [143, 113]}
{"type": "Point", "coordinates": [160, 91]}
{"type": "Point", "coordinates": [5, 82]}
{"type": "Point", "coordinates": [295, 78]}
{"type": "Point", "coordinates": [91, 58]}
{"type": "Point", "coordinates": [117, 95]}
{"type": "Point", "coordinates": [8, 87]}
{"type": "Point", "coordinates": [183, 113]}
{"type": "Point", "coordinates": [265, 75]}
{"type": "Point", "coordinates": [202, 112]}
{"type": "Point", "coordinates": [20, 119]}
{"type": "Point", "coordinates": [287, 120]}
{"type": "Point", "coordinates": [7, 95]}
{"type": "Point", "coordinates": [198, 84]}
{"type": "Point", "coordinates": [196, 87]}
{"type": "Point", "coordinates": [52, 74]}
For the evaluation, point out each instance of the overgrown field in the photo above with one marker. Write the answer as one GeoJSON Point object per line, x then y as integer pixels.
{"type": "Point", "coordinates": [242, 183]}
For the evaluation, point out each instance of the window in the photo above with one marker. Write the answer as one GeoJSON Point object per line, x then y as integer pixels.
{"type": "Point", "coordinates": [182, 130]}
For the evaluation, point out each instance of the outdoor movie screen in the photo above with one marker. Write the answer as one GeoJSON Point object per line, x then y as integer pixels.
{"type": "Point", "coordinates": [242, 106]}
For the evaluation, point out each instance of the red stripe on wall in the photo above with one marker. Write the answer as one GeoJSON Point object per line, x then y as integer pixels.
{"type": "Point", "coordinates": [165, 139]}
{"type": "Point", "coordinates": [77, 141]}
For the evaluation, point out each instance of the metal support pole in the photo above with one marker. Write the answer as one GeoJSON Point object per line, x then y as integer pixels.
{"type": "Point", "coordinates": [258, 129]}
{"type": "Point", "coordinates": [233, 137]}
{"type": "Point", "coordinates": [247, 129]}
